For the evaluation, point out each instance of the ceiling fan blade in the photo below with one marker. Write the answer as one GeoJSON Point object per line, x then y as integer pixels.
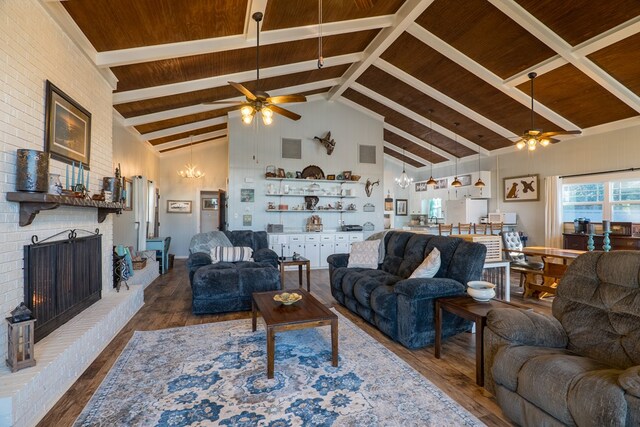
{"type": "Point", "coordinates": [562, 132]}
{"type": "Point", "coordinates": [283, 99]}
{"type": "Point", "coordinates": [246, 92]}
{"type": "Point", "coordinates": [286, 113]}
{"type": "Point", "coordinates": [553, 140]}
{"type": "Point", "coordinates": [223, 102]}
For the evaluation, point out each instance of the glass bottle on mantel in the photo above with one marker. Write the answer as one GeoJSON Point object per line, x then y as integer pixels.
{"type": "Point", "coordinates": [55, 185]}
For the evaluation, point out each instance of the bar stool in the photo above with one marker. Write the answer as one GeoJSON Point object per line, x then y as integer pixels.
{"type": "Point", "coordinates": [464, 228]}
{"type": "Point", "coordinates": [480, 228]}
{"type": "Point", "coordinates": [445, 228]}
{"type": "Point", "coordinates": [495, 227]}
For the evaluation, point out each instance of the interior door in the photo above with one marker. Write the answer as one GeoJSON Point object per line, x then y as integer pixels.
{"type": "Point", "coordinates": [222, 202]}
{"type": "Point", "coordinates": [209, 211]}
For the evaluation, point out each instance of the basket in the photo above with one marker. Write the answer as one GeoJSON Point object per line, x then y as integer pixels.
{"type": "Point", "coordinates": [493, 244]}
{"type": "Point", "coordinates": [139, 265]}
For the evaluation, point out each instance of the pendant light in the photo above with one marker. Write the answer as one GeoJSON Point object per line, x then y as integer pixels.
{"type": "Point", "coordinates": [456, 182]}
{"type": "Point", "coordinates": [431, 181]}
{"type": "Point", "coordinates": [479, 183]}
{"type": "Point", "coordinates": [191, 171]}
{"type": "Point", "coordinates": [403, 180]}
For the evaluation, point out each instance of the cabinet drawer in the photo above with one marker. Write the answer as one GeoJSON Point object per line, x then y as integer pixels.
{"type": "Point", "coordinates": [312, 238]}
{"type": "Point", "coordinates": [296, 238]}
{"type": "Point", "coordinates": [355, 237]}
{"type": "Point", "coordinates": [327, 238]}
{"type": "Point", "coordinates": [342, 238]}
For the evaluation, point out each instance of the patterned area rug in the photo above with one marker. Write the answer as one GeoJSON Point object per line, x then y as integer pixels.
{"type": "Point", "coordinates": [215, 374]}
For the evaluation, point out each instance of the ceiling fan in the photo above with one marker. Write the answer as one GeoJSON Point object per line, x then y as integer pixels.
{"type": "Point", "coordinates": [258, 100]}
{"type": "Point", "coordinates": [532, 137]}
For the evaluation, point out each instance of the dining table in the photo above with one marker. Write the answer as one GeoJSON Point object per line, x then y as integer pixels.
{"type": "Point", "coordinates": [542, 283]}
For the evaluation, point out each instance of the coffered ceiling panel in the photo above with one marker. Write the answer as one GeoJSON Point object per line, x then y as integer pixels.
{"type": "Point", "coordinates": [175, 70]}
{"type": "Point", "coordinates": [164, 103]}
{"type": "Point", "coordinates": [410, 126]}
{"type": "Point", "coordinates": [444, 75]}
{"type": "Point", "coordinates": [486, 35]}
{"type": "Point", "coordinates": [407, 96]}
{"type": "Point", "coordinates": [183, 135]}
{"type": "Point", "coordinates": [577, 21]}
{"type": "Point", "coordinates": [413, 148]}
{"type": "Point", "coordinates": [122, 24]}
{"type": "Point", "coordinates": [621, 61]}
{"type": "Point", "coordinates": [406, 159]}
{"type": "Point", "coordinates": [296, 13]}
{"type": "Point", "coordinates": [578, 98]}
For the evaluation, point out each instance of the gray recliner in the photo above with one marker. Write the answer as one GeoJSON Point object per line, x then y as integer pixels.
{"type": "Point", "coordinates": [580, 367]}
{"type": "Point", "coordinates": [518, 261]}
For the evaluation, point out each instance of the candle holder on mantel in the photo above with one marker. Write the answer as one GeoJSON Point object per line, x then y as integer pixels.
{"type": "Point", "coordinates": [590, 245]}
{"type": "Point", "coordinates": [606, 229]}
{"type": "Point", "coordinates": [21, 339]}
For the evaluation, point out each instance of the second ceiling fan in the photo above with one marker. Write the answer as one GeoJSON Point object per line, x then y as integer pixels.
{"type": "Point", "coordinates": [259, 101]}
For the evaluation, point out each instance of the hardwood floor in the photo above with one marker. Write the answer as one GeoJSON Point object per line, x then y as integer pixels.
{"type": "Point", "coordinates": [168, 305]}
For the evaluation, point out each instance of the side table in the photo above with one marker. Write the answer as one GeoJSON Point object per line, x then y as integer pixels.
{"type": "Point", "coordinates": [300, 261]}
{"type": "Point", "coordinates": [469, 309]}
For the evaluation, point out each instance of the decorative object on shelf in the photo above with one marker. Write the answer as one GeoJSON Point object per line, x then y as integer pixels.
{"type": "Point", "coordinates": [327, 142]}
{"type": "Point", "coordinates": [67, 128]}
{"type": "Point", "coordinates": [355, 178]}
{"type": "Point", "coordinates": [401, 207]}
{"type": "Point", "coordinates": [259, 101]}
{"type": "Point", "coordinates": [368, 226]}
{"type": "Point", "coordinates": [190, 170]}
{"type": "Point", "coordinates": [331, 177]}
{"type": "Point", "coordinates": [346, 175]}
{"type": "Point", "coordinates": [592, 231]}
{"type": "Point", "coordinates": [283, 207]}
{"type": "Point", "coordinates": [295, 256]}
{"type": "Point", "coordinates": [270, 171]}
{"type": "Point", "coordinates": [479, 183]}
{"type": "Point", "coordinates": [339, 205]}
{"type": "Point", "coordinates": [314, 223]}
{"type": "Point", "coordinates": [271, 206]}
{"type": "Point", "coordinates": [281, 173]}
{"type": "Point", "coordinates": [99, 197]}
{"type": "Point", "coordinates": [368, 187]}
{"type": "Point", "coordinates": [128, 194]}
{"type": "Point", "coordinates": [289, 175]}
{"type": "Point", "coordinates": [247, 195]}
{"type": "Point", "coordinates": [112, 185]}
{"type": "Point", "coordinates": [287, 298]}
{"type": "Point", "coordinates": [532, 137]}
{"type": "Point", "coordinates": [55, 186]}
{"type": "Point", "coordinates": [311, 202]}
{"type": "Point", "coordinates": [312, 172]}
{"type": "Point", "coordinates": [21, 338]}
{"type": "Point", "coordinates": [606, 230]}
{"type": "Point", "coordinates": [521, 188]}
{"type": "Point", "coordinates": [275, 228]}
{"type": "Point", "coordinates": [339, 177]}
{"type": "Point", "coordinates": [388, 204]}
{"type": "Point", "coordinates": [481, 291]}
{"type": "Point", "coordinates": [351, 207]}
{"type": "Point", "coordinates": [369, 207]}
{"type": "Point", "coordinates": [403, 180]}
{"type": "Point", "coordinates": [179, 206]}
{"type": "Point", "coordinates": [32, 171]}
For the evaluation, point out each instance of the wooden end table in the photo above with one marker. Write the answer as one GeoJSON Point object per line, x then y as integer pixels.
{"type": "Point", "coordinates": [306, 313]}
{"type": "Point", "coordinates": [289, 261]}
{"type": "Point", "coordinates": [470, 309]}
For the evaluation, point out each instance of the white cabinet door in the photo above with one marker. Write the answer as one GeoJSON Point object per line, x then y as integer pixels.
{"type": "Point", "coordinates": [342, 247]}
{"type": "Point", "coordinates": [326, 249]}
{"type": "Point", "coordinates": [312, 253]}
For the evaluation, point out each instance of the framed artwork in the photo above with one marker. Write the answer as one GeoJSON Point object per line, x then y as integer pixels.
{"type": "Point", "coordinates": [246, 220]}
{"type": "Point", "coordinates": [67, 128]}
{"type": "Point", "coordinates": [209, 204]}
{"type": "Point", "coordinates": [281, 173]}
{"type": "Point", "coordinates": [346, 175]}
{"type": "Point", "coordinates": [441, 183]}
{"type": "Point", "coordinates": [401, 207]}
{"type": "Point", "coordinates": [128, 194]}
{"type": "Point", "coordinates": [179, 206]}
{"type": "Point", "coordinates": [422, 186]}
{"type": "Point", "coordinates": [247, 195]}
{"type": "Point", "coordinates": [388, 204]}
{"type": "Point", "coordinates": [465, 180]}
{"type": "Point", "coordinates": [521, 188]}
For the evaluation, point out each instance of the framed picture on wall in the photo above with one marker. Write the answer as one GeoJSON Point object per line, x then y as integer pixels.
{"type": "Point", "coordinates": [521, 188]}
{"type": "Point", "coordinates": [401, 207]}
{"type": "Point", "coordinates": [179, 206]}
{"type": "Point", "coordinates": [247, 195]}
{"type": "Point", "coordinates": [128, 194]}
{"type": "Point", "coordinates": [388, 204]}
{"type": "Point", "coordinates": [209, 204]}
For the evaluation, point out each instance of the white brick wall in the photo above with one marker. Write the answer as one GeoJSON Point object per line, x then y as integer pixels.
{"type": "Point", "coordinates": [33, 49]}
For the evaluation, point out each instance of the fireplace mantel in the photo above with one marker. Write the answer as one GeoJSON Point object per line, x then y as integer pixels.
{"type": "Point", "coordinates": [32, 203]}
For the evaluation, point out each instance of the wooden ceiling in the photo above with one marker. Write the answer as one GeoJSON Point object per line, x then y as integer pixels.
{"type": "Point", "coordinates": [448, 78]}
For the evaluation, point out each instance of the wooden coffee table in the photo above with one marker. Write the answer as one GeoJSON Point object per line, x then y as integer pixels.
{"type": "Point", "coordinates": [306, 313]}
{"type": "Point", "coordinates": [300, 261]}
{"type": "Point", "coordinates": [470, 309]}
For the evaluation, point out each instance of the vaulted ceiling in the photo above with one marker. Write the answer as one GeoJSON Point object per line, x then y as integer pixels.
{"type": "Point", "coordinates": [423, 65]}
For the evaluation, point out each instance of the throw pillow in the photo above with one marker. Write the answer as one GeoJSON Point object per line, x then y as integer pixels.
{"type": "Point", "coordinates": [429, 266]}
{"type": "Point", "coordinates": [364, 254]}
{"type": "Point", "coordinates": [381, 249]}
{"type": "Point", "coordinates": [231, 254]}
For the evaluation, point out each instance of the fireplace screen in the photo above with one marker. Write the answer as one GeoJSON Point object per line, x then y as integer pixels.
{"type": "Point", "coordinates": [61, 278]}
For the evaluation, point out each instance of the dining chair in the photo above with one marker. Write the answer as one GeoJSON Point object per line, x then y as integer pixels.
{"type": "Point", "coordinates": [518, 261]}
{"type": "Point", "coordinates": [464, 228]}
{"type": "Point", "coordinates": [480, 228]}
{"type": "Point", "coordinates": [445, 228]}
{"type": "Point", "coordinates": [496, 227]}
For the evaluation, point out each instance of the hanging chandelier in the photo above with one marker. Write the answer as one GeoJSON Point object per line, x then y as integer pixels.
{"type": "Point", "coordinates": [403, 180]}
{"type": "Point", "coordinates": [456, 182]}
{"type": "Point", "coordinates": [190, 170]}
{"type": "Point", "coordinates": [431, 181]}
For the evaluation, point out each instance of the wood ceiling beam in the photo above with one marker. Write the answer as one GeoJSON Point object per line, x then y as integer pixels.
{"type": "Point", "coordinates": [444, 99]}
{"type": "Point", "coordinates": [200, 108]}
{"type": "Point", "coordinates": [494, 80]}
{"type": "Point", "coordinates": [564, 49]}
{"type": "Point", "coordinates": [418, 118]}
{"type": "Point", "coordinates": [405, 16]}
{"type": "Point", "coordinates": [407, 154]}
{"type": "Point", "coordinates": [166, 150]}
{"type": "Point", "coordinates": [210, 82]}
{"type": "Point", "coordinates": [184, 128]}
{"type": "Point", "coordinates": [420, 142]}
{"type": "Point", "coordinates": [361, 109]}
{"type": "Point", "coordinates": [136, 55]}
{"type": "Point", "coordinates": [249, 24]}
{"type": "Point", "coordinates": [187, 141]}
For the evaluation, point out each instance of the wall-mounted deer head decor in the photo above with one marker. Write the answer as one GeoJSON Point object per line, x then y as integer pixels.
{"type": "Point", "coordinates": [368, 186]}
{"type": "Point", "coordinates": [328, 143]}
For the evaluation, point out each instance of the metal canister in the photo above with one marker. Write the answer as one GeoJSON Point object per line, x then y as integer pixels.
{"type": "Point", "coordinates": [32, 171]}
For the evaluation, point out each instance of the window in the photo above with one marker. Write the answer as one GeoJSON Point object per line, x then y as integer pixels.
{"type": "Point", "coordinates": [616, 200]}
{"type": "Point", "coordinates": [583, 201]}
{"type": "Point", "coordinates": [625, 201]}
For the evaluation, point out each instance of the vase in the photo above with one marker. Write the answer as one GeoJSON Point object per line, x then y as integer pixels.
{"type": "Point", "coordinates": [55, 185]}
{"type": "Point", "coordinates": [114, 186]}
{"type": "Point", "coordinates": [32, 171]}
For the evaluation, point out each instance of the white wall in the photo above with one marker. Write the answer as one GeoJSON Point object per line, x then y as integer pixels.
{"type": "Point", "coordinates": [606, 151]}
{"type": "Point", "coordinates": [135, 157]}
{"type": "Point", "coordinates": [392, 170]}
{"type": "Point", "coordinates": [254, 147]}
{"type": "Point", "coordinates": [35, 49]}
{"type": "Point", "coordinates": [210, 158]}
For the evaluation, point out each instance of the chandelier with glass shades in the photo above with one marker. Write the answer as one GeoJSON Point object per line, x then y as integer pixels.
{"type": "Point", "coordinates": [403, 180]}
{"type": "Point", "coordinates": [190, 170]}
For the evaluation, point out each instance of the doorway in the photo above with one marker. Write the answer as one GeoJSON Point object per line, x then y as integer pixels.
{"type": "Point", "coordinates": [209, 211]}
